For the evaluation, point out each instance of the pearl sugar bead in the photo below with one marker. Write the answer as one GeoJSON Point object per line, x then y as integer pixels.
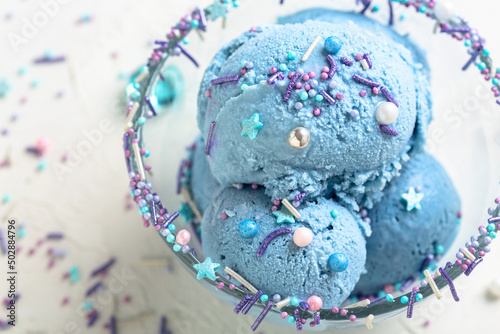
{"type": "Point", "coordinates": [299, 137]}
{"type": "Point", "coordinates": [302, 236]}
{"type": "Point", "coordinates": [386, 113]}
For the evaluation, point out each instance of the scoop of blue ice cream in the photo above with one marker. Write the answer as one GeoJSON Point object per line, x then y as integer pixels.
{"type": "Point", "coordinates": [407, 226]}
{"type": "Point", "coordinates": [251, 138]}
{"type": "Point", "coordinates": [285, 268]}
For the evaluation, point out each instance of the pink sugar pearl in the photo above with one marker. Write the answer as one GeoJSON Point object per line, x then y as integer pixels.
{"type": "Point", "coordinates": [362, 93]}
{"type": "Point", "coordinates": [274, 70]}
{"type": "Point", "coordinates": [183, 237]}
{"type": "Point", "coordinates": [324, 76]}
{"type": "Point", "coordinates": [343, 312]}
{"type": "Point", "coordinates": [316, 112]}
{"type": "Point", "coordinates": [223, 216]}
{"type": "Point", "coordinates": [208, 93]}
{"type": "Point", "coordinates": [358, 57]}
{"type": "Point", "coordinates": [375, 90]}
{"type": "Point", "coordinates": [311, 74]}
{"type": "Point", "coordinates": [284, 315]}
{"type": "Point", "coordinates": [335, 309]}
{"type": "Point", "coordinates": [298, 85]}
{"type": "Point", "coordinates": [302, 236]}
{"type": "Point", "coordinates": [315, 303]}
{"type": "Point", "coordinates": [340, 96]}
{"type": "Point", "coordinates": [305, 77]}
{"type": "Point", "coordinates": [307, 87]}
{"type": "Point", "coordinates": [325, 69]}
{"type": "Point", "coordinates": [42, 144]}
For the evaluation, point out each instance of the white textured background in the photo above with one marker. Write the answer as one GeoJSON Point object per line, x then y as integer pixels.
{"type": "Point", "coordinates": [87, 201]}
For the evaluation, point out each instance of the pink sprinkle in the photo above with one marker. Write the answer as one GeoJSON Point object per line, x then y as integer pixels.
{"type": "Point", "coordinates": [362, 93]}
{"type": "Point", "coordinates": [307, 87]}
{"type": "Point", "coordinates": [65, 300]}
{"type": "Point", "coordinates": [416, 289]}
{"type": "Point", "coordinates": [324, 76]}
{"type": "Point", "coordinates": [276, 201]}
{"type": "Point", "coordinates": [208, 93]}
{"type": "Point", "coordinates": [458, 263]}
{"type": "Point", "coordinates": [481, 254]}
{"type": "Point", "coordinates": [298, 85]}
{"type": "Point", "coordinates": [284, 315]}
{"type": "Point", "coordinates": [253, 29]}
{"type": "Point", "coordinates": [468, 262]}
{"type": "Point", "coordinates": [161, 219]}
{"type": "Point", "coordinates": [340, 96]}
{"type": "Point", "coordinates": [127, 153]}
{"type": "Point", "coordinates": [274, 208]}
{"type": "Point", "coordinates": [147, 167]}
{"type": "Point", "coordinates": [312, 324]}
{"type": "Point", "coordinates": [343, 312]}
{"type": "Point", "coordinates": [305, 77]}
{"type": "Point", "coordinates": [358, 57]}
{"type": "Point", "coordinates": [135, 141]}
{"type": "Point", "coordinates": [290, 75]}
{"type": "Point", "coordinates": [255, 186]}
{"type": "Point", "coordinates": [352, 318]}
{"type": "Point", "coordinates": [459, 214]}
{"type": "Point", "coordinates": [157, 227]}
{"type": "Point", "coordinates": [220, 285]}
{"type": "Point", "coordinates": [223, 216]}
{"type": "Point", "coordinates": [472, 250]}
{"type": "Point", "coordinates": [464, 267]}
{"type": "Point", "coordinates": [162, 212]}
{"type": "Point", "coordinates": [232, 286]}
{"type": "Point", "coordinates": [335, 309]}
{"type": "Point", "coordinates": [142, 151]}
{"type": "Point", "coordinates": [325, 69]}
{"type": "Point", "coordinates": [375, 90]}
{"type": "Point", "coordinates": [389, 288]}
{"type": "Point", "coordinates": [273, 70]}
{"type": "Point", "coordinates": [131, 132]}
{"type": "Point", "coordinates": [145, 224]}
{"type": "Point", "coordinates": [243, 70]}
{"type": "Point", "coordinates": [303, 321]}
{"type": "Point", "coordinates": [312, 75]}
{"type": "Point", "coordinates": [316, 112]}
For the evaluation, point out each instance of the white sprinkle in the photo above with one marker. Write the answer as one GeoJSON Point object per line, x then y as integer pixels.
{"type": "Point", "coordinates": [230, 213]}
{"type": "Point", "coordinates": [311, 48]}
{"type": "Point", "coordinates": [369, 320]}
{"type": "Point", "coordinates": [291, 208]}
{"type": "Point", "coordinates": [469, 255]}
{"type": "Point", "coordinates": [283, 303]}
{"type": "Point", "coordinates": [144, 73]}
{"type": "Point", "coordinates": [186, 195]}
{"type": "Point", "coordinates": [364, 64]}
{"type": "Point", "coordinates": [432, 284]}
{"type": "Point", "coordinates": [361, 303]}
{"type": "Point", "coordinates": [240, 279]}
{"type": "Point", "coordinates": [131, 115]}
{"type": "Point", "coordinates": [138, 161]}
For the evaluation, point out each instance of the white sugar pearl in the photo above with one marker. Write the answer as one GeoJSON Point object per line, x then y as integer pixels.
{"type": "Point", "coordinates": [299, 137]}
{"type": "Point", "coordinates": [494, 288]}
{"type": "Point", "coordinates": [387, 113]}
{"type": "Point", "coordinates": [444, 11]}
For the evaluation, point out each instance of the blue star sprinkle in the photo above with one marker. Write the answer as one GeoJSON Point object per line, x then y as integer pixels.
{"type": "Point", "coordinates": [251, 126]}
{"type": "Point", "coordinates": [412, 199]}
{"type": "Point", "coordinates": [217, 9]}
{"type": "Point", "coordinates": [283, 217]}
{"type": "Point", "coordinates": [206, 269]}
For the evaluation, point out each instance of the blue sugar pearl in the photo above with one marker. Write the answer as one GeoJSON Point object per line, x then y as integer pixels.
{"type": "Point", "coordinates": [291, 319]}
{"type": "Point", "coordinates": [439, 249]}
{"type": "Point", "coordinates": [319, 97]}
{"type": "Point", "coordinates": [170, 238]}
{"type": "Point", "coordinates": [141, 120]}
{"type": "Point", "coordinates": [334, 213]}
{"type": "Point", "coordinates": [264, 298]}
{"type": "Point", "coordinates": [177, 248]}
{"type": "Point", "coordinates": [298, 105]}
{"type": "Point", "coordinates": [404, 300]}
{"type": "Point", "coordinates": [338, 262]}
{"type": "Point", "coordinates": [291, 55]}
{"type": "Point", "coordinates": [171, 227]}
{"type": "Point", "coordinates": [294, 301]}
{"type": "Point", "coordinates": [419, 297]}
{"type": "Point", "coordinates": [389, 298]}
{"type": "Point", "coordinates": [333, 45]}
{"type": "Point", "coordinates": [304, 96]}
{"type": "Point", "coordinates": [195, 23]}
{"type": "Point", "coordinates": [282, 67]}
{"type": "Point", "coordinates": [495, 81]}
{"type": "Point", "coordinates": [248, 228]}
{"type": "Point", "coordinates": [276, 298]}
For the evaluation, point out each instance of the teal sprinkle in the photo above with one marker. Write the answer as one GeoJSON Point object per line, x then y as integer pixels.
{"type": "Point", "coordinates": [389, 298]}
{"type": "Point", "coordinates": [35, 83]}
{"type": "Point", "coordinates": [291, 55]}
{"type": "Point", "coordinates": [243, 87]}
{"type": "Point", "coordinates": [423, 9]}
{"type": "Point", "coordinates": [319, 97]}
{"type": "Point", "coordinates": [402, 17]}
{"type": "Point", "coordinates": [291, 319]}
{"type": "Point", "coordinates": [73, 269]}
{"type": "Point", "coordinates": [137, 85]}
{"type": "Point", "coordinates": [404, 300]}
{"type": "Point", "coordinates": [243, 63]}
{"type": "Point", "coordinates": [439, 249]}
{"type": "Point", "coordinates": [141, 120]}
{"type": "Point", "coordinates": [177, 248]}
{"type": "Point", "coordinates": [486, 52]}
{"type": "Point", "coordinates": [87, 306]}
{"type": "Point", "coordinates": [185, 40]}
{"type": "Point", "coordinates": [236, 4]}
{"type": "Point", "coordinates": [495, 81]}
{"type": "Point", "coordinates": [135, 95]}
{"type": "Point", "coordinates": [147, 154]}
{"type": "Point", "coordinates": [22, 70]}
{"type": "Point", "coordinates": [170, 238]}
{"type": "Point", "coordinates": [459, 221]}
{"type": "Point", "coordinates": [42, 164]}
{"type": "Point", "coordinates": [264, 298]}
{"type": "Point", "coordinates": [491, 227]}
{"type": "Point", "coordinates": [334, 213]}
{"type": "Point", "coordinates": [21, 233]}
{"type": "Point", "coordinates": [73, 278]}
{"type": "Point", "coordinates": [294, 301]}
{"type": "Point", "coordinates": [481, 66]}
{"type": "Point", "coordinates": [195, 23]}
{"type": "Point", "coordinates": [468, 42]}
{"type": "Point", "coordinates": [381, 294]}
{"type": "Point", "coordinates": [171, 227]}
{"type": "Point", "coordinates": [375, 8]}
{"type": "Point", "coordinates": [397, 286]}
{"type": "Point", "coordinates": [304, 96]}
{"type": "Point", "coordinates": [498, 70]}
{"type": "Point", "coordinates": [419, 297]}
{"type": "Point", "coordinates": [6, 198]}
{"type": "Point", "coordinates": [144, 209]}
{"type": "Point", "coordinates": [283, 67]}
{"type": "Point", "coordinates": [493, 235]}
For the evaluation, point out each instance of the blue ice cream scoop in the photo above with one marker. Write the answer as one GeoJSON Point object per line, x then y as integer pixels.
{"type": "Point", "coordinates": [416, 217]}
{"type": "Point", "coordinates": [322, 253]}
{"type": "Point", "coordinates": [279, 124]}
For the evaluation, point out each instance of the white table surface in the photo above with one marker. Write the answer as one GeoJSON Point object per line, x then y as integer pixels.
{"type": "Point", "coordinates": [87, 201]}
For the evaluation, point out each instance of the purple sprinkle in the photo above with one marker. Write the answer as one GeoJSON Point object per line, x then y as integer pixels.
{"type": "Point", "coordinates": [179, 176]}
{"type": "Point", "coordinates": [298, 321]}
{"type": "Point", "coordinates": [407, 284]}
{"type": "Point", "coordinates": [49, 60]}
{"type": "Point", "coordinates": [270, 237]}
{"type": "Point", "coordinates": [163, 325]}
{"type": "Point", "coordinates": [171, 219]}
{"type": "Point", "coordinates": [316, 318]}
{"type": "Point", "coordinates": [3, 242]}
{"type": "Point", "coordinates": [327, 97]}
{"type": "Point", "coordinates": [389, 96]}
{"type": "Point", "coordinates": [281, 2]}
{"type": "Point", "coordinates": [262, 314]}
{"type": "Point", "coordinates": [31, 149]}
{"type": "Point", "coordinates": [54, 236]}
{"type": "Point", "coordinates": [409, 312]}
{"type": "Point", "coordinates": [193, 250]}
{"type": "Point", "coordinates": [203, 19]}
{"type": "Point", "coordinates": [158, 202]}
{"type": "Point", "coordinates": [291, 84]}
{"type": "Point", "coordinates": [365, 81]}
{"type": "Point", "coordinates": [366, 4]}
{"type": "Point", "coordinates": [252, 302]}
{"type": "Point", "coordinates": [333, 66]}
{"type": "Point", "coordinates": [153, 212]}
{"type": "Point", "coordinates": [162, 78]}
{"type": "Point", "coordinates": [300, 197]}
{"type": "Point", "coordinates": [182, 27]}
{"type": "Point", "coordinates": [112, 325]}
{"type": "Point", "coordinates": [103, 268]}
{"type": "Point", "coordinates": [472, 58]}
{"type": "Point", "coordinates": [366, 57]}
{"type": "Point", "coordinates": [184, 52]}
{"type": "Point", "coordinates": [346, 61]}
{"type": "Point", "coordinates": [376, 301]}
{"type": "Point", "coordinates": [494, 220]}
{"type": "Point", "coordinates": [93, 289]}
{"type": "Point", "coordinates": [391, 13]}
{"type": "Point", "coordinates": [448, 265]}
{"type": "Point", "coordinates": [455, 29]}
{"type": "Point", "coordinates": [223, 80]}
{"type": "Point", "coordinates": [450, 284]}
{"type": "Point", "coordinates": [304, 306]}
{"type": "Point", "coordinates": [209, 139]}
{"type": "Point", "coordinates": [498, 101]}
{"type": "Point", "coordinates": [473, 265]}
{"type": "Point", "coordinates": [161, 42]}
{"type": "Point", "coordinates": [426, 262]}
{"type": "Point", "coordinates": [125, 148]}
{"type": "Point", "coordinates": [276, 76]}
{"type": "Point", "coordinates": [150, 105]}
{"type": "Point", "coordinates": [387, 129]}
{"type": "Point", "coordinates": [94, 315]}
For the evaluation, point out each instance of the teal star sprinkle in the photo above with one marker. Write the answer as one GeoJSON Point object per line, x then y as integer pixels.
{"type": "Point", "coordinates": [206, 269]}
{"type": "Point", "coordinates": [185, 212]}
{"type": "Point", "coordinates": [412, 199]}
{"type": "Point", "coordinates": [217, 9]}
{"type": "Point", "coordinates": [251, 126]}
{"type": "Point", "coordinates": [283, 217]}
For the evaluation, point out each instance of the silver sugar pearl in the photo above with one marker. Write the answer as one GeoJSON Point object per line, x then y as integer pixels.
{"type": "Point", "coordinates": [299, 137]}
